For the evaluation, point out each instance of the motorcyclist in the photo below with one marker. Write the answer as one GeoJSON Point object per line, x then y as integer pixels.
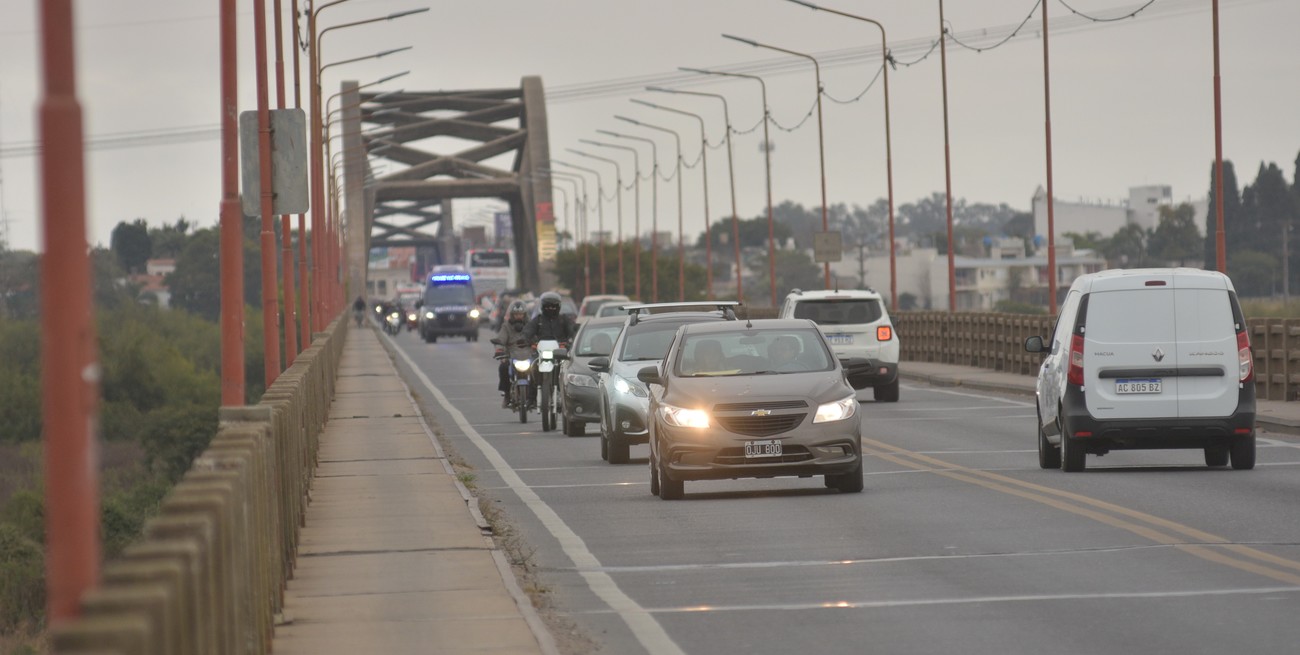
{"type": "Point", "coordinates": [511, 333]}
{"type": "Point", "coordinates": [548, 324]}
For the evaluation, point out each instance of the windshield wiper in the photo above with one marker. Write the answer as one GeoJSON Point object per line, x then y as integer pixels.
{"type": "Point", "coordinates": [766, 373]}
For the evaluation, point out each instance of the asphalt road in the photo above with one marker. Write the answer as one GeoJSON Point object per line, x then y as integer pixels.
{"type": "Point", "coordinates": [959, 544]}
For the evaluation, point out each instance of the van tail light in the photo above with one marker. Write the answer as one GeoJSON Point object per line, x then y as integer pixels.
{"type": "Point", "coordinates": [884, 333]}
{"type": "Point", "coordinates": [1075, 375]}
{"type": "Point", "coordinates": [1245, 363]}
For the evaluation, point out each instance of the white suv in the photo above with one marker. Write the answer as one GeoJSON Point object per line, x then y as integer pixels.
{"type": "Point", "coordinates": [856, 325]}
{"type": "Point", "coordinates": [1147, 359]}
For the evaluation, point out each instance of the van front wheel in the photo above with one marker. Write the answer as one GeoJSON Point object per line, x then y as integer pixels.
{"type": "Point", "coordinates": [1242, 452]}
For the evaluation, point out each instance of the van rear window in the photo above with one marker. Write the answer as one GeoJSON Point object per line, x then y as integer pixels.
{"type": "Point", "coordinates": [839, 312]}
{"type": "Point", "coordinates": [1136, 316]}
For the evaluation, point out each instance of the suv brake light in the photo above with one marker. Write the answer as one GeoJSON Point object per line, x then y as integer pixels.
{"type": "Point", "coordinates": [1075, 374]}
{"type": "Point", "coordinates": [884, 333]}
{"type": "Point", "coordinates": [1245, 363]}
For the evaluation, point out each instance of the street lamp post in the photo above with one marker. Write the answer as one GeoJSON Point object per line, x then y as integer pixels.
{"type": "Point", "coordinates": [677, 171]}
{"type": "Point", "coordinates": [654, 217]}
{"type": "Point", "coordinates": [636, 196]}
{"type": "Point", "coordinates": [600, 212]}
{"type": "Point", "coordinates": [821, 140]}
{"type": "Point", "coordinates": [304, 302]}
{"type": "Point", "coordinates": [618, 192]}
{"type": "Point", "coordinates": [270, 291]}
{"type": "Point", "coordinates": [564, 212]}
{"type": "Point", "coordinates": [1220, 244]}
{"type": "Point", "coordinates": [731, 171]}
{"type": "Point", "coordinates": [767, 160]}
{"type": "Point", "coordinates": [704, 166]}
{"type": "Point", "coordinates": [580, 217]}
{"type": "Point", "coordinates": [286, 220]}
{"type": "Point", "coordinates": [1051, 198]}
{"type": "Point", "coordinates": [947, 162]}
{"type": "Point", "coordinates": [323, 255]}
{"type": "Point", "coordinates": [889, 157]}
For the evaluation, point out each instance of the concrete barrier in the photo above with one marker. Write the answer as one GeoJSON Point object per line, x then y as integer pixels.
{"type": "Point", "coordinates": [209, 573]}
{"type": "Point", "coordinates": [997, 341]}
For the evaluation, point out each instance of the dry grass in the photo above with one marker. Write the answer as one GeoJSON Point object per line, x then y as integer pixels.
{"type": "Point", "coordinates": [1269, 308]}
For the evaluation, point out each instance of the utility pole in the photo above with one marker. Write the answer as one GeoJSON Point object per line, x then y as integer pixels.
{"type": "Point", "coordinates": [862, 265]}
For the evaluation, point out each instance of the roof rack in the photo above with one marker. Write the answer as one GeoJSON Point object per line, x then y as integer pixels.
{"type": "Point", "coordinates": [727, 307]}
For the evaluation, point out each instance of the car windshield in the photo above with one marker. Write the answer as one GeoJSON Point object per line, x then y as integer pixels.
{"type": "Point", "coordinates": [839, 312]}
{"type": "Point", "coordinates": [752, 352]}
{"type": "Point", "coordinates": [597, 341]}
{"type": "Point", "coordinates": [449, 294]}
{"type": "Point", "coordinates": [647, 341]}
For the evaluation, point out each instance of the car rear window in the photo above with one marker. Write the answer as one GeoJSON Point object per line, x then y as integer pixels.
{"type": "Point", "coordinates": [1132, 316]}
{"type": "Point", "coordinates": [839, 312]}
{"type": "Point", "coordinates": [649, 340]}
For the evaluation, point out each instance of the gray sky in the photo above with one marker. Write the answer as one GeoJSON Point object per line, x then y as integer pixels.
{"type": "Point", "coordinates": [1131, 100]}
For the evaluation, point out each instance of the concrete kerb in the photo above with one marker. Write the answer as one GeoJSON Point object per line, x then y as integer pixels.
{"type": "Point", "coordinates": [189, 499]}
{"type": "Point", "coordinates": [126, 635]}
{"type": "Point", "coordinates": [170, 575]}
{"type": "Point", "coordinates": [150, 600]}
{"type": "Point", "coordinates": [186, 555]}
{"type": "Point", "coordinates": [247, 454]}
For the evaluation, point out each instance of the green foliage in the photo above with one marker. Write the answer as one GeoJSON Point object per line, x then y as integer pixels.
{"type": "Point", "coordinates": [25, 512]}
{"type": "Point", "coordinates": [131, 245]}
{"type": "Point", "coordinates": [794, 270]}
{"type": "Point", "coordinates": [196, 282]}
{"type": "Point", "coordinates": [1253, 273]}
{"type": "Point", "coordinates": [20, 382]}
{"type": "Point", "coordinates": [19, 284]}
{"type": "Point", "coordinates": [174, 435]}
{"type": "Point", "coordinates": [124, 511]}
{"type": "Point", "coordinates": [22, 578]}
{"type": "Point", "coordinates": [169, 240]}
{"type": "Point", "coordinates": [1176, 238]}
{"type": "Point", "coordinates": [753, 233]}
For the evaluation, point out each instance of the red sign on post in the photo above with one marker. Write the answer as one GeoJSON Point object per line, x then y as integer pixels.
{"type": "Point", "coordinates": [545, 212]}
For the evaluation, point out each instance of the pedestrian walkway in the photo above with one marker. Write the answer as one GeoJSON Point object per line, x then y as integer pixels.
{"type": "Point", "coordinates": [1270, 415]}
{"type": "Point", "coordinates": [392, 558]}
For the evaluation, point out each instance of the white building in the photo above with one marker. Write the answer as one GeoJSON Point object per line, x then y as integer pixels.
{"type": "Point", "coordinates": [1106, 217]}
{"type": "Point", "coordinates": [982, 282]}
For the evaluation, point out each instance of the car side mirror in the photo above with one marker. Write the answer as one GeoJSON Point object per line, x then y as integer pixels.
{"type": "Point", "coordinates": [649, 375]}
{"type": "Point", "coordinates": [599, 364]}
{"type": "Point", "coordinates": [1035, 345]}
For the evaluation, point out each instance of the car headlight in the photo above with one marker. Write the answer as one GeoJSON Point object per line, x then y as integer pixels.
{"type": "Point", "coordinates": [522, 365]}
{"type": "Point", "coordinates": [474, 313]}
{"type": "Point", "coordinates": [836, 411]}
{"type": "Point", "coordinates": [579, 380]}
{"type": "Point", "coordinates": [428, 315]}
{"type": "Point", "coordinates": [410, 317]}
{"type": "Point", "coordinates": [684, 418]}
{"type": "Point", "coordinates": [623, 386]}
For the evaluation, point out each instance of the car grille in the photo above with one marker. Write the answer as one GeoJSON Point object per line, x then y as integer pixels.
{"type": "Point", "coordinates": [451, 319]}
{"type": "Point", "coordinates": [736, 456]}
{"type": "Point", "coordinates": [751, 406]}
{"type": "Point", "coordinates": [761, 426]}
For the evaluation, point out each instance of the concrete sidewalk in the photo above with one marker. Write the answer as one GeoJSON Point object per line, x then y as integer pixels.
{"type": "Point", "coordinates": [1271, 415]}
{"type": "Point", "coordinates": [395, 557]}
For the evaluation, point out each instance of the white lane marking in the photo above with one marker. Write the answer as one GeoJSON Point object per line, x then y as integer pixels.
{"type": "Point", "coordinates": [942, 409]}
{"type": "Point", "coordinates": [1027, 598]}
{"type": "Point", "coordinates": [970, 395]}
{"type": "Point", "coordinates": [576, 486]}
{"type": "Point", "coordinates": [641, 622]}
{"type": "Point", "coordinates": [1275, 443]}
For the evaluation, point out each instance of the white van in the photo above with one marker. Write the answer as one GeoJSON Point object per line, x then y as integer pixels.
{"type": "Point", "coordinates": [857, 325]}
{"type": "Point", "coordinates": [1147, 359]}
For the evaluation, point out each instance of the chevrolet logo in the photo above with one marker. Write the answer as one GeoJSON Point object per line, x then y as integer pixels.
{"type": "Point", "coordinates": [761, 412]}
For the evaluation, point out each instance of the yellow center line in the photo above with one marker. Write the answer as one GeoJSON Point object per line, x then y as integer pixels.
{"type": "Point", "coordinates": [1054, 498]}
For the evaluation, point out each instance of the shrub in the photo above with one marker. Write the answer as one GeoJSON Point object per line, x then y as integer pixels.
{"type": "Point", "coordinates": [22, 579]}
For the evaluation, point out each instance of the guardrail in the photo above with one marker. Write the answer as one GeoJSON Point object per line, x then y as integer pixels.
{"type": "Point", "coordinates": [209, 573]}
{"type": "Point", "coordinates": [996, 341]}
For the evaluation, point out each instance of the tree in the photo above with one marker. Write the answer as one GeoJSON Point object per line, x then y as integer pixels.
{"type": "Point", "coordinates": [794, 270]}
{"type": "Point", "coordinates": [131, 244]}
{"type": "Point", "coordinates": [1176, 238]}
{"type": "Point", "coordinates": [169, 240]}
{"type": "Point", "coordinates": [1127, 248]}
{"type": "Point", "coordinates": [753, 233]}
{"type": "Point", "coordinates": [196, 282]}
{"type": "Point", "coordinates": [1231, 209]}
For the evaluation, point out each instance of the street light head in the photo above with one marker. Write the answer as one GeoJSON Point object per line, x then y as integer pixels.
{"type": "Point", "coordinates": [740, 39]}
{"type": "Point", "coordinates": [701, 71]}
{"type": "Point", "coordinates": [628, 120]}
{"type": "Point", "coordinates": [391, 77]}
{"type": "Point", "coordinates": [608, 133]}
{"type": "Point", "coordinates": [393, 51]}
{"type": "Point", "coordinates": [806, 4]}
{"type": "Point", "coordinates": [647, 104]}
{"type": "Point", "coordinates": [408, 12]}
{"type": "Point", "coordinates": [660, 89]}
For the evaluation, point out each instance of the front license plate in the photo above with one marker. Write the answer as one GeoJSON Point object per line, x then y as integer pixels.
{"type": "Point", "coordinates": [1148, 385]}
{"type": "Point", "coordinates": [765, 448]}
{"type": "Point", "coordinates": [840, 339]}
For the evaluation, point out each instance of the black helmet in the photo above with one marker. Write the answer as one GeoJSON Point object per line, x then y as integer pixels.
{"type": "Point", "coordinates": [551, 303]}
{"type": "Point", "coordinates": [518, 312]}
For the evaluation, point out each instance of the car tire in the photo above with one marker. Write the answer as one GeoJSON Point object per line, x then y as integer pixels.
{"type": "Point", "coordinates": [1073, 456]}
{"type": "Point", "coordinates": [1242, 452]}
{"type": "Point", "coordinates": [669, 489]}
{"type": "Point", "coordinates": [654, 476]}
{"type": "Point", "coordinates": [433, 338]}
{"type": "Point", "coordinates": [618, 449]}
{"type": "Point", "coordinates": [1216, 456]}
{"type": "Point", "coordinates": [604, 434]}
{"type": "Point", "coordinates": [848, 483]}
{"type": "Point", "coordinates": [574, 428]}
{"type": "Point", "coordinates": [1049, 456]}
{"type": "Point", "coordinates": [887, 393]}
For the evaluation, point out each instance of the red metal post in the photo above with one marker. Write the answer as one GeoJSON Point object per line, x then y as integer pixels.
{"type": "Point", "coordinates": [947, 164]}
{"type": "Point", "coordinates": [286, 221]}
{"type": "Point", "coordinates": [304, 303]}
{"type": "Point", "coordinates": [1220, 244]}
{"type": "Point", "coordinates": [270, 291]}
{"type": "Point", "coordinates": [318, 240]}
{"type": "Point", "coordinates": [70, 367]}
{"type": "Point", "coordinates": [1051, 199]}
{"type": "Point", "coordinates": [232, 219]}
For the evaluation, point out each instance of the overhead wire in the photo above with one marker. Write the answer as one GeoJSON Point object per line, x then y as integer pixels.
{"type": "Point", "coordinates": [1094, 19]}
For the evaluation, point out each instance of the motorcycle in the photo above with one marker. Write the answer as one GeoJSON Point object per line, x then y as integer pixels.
{"type": "Point", "coordinates": [412, 320]}
{"type": "Point", "coordinates": [393, 323]}
{"type": "Point", "coordinates": [549, 354]}
{"type": "Point", "coordinates": [517, 375]}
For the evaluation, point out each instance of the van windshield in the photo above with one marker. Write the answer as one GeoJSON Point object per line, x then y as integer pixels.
{"type": "Point", "coordinates": [839, 312]}
{"type": "Point", "coordinates": [449, 294]}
